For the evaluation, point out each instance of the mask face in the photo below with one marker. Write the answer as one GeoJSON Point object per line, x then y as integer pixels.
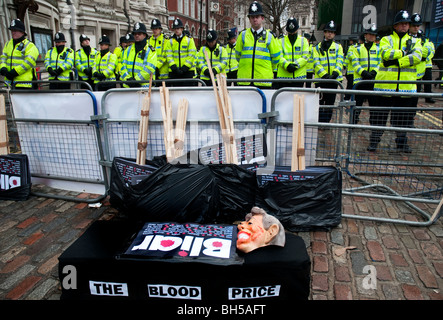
{"type": "Point", "coordinates": [251, 234]}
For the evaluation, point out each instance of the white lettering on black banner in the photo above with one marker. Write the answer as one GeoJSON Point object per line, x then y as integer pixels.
{"type": "Point", "coordinates": [253, 292]}
{"type": "Point", "coordinates": [174, 292]}
{"type": "Point", "coordinates": [108, 288]}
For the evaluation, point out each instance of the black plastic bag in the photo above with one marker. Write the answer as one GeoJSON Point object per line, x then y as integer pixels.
{"type": "Point", "coordinates": [305, 200]}
{"type": "Point", "coordinates": [185, 192]}
{"type": "Point", "coordinates": [15, 177]}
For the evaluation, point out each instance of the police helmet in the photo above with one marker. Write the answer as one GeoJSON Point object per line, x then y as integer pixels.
{"type": "Point", "coordinates": [83, 37]}
{"type": "Point", "coordinates": [59, 37]}
{"type": "Point", "coordinates": [330, 26]}
{"type": "Point", "coordinates": [416, 20]}
{"type": "Point", "coordinates": [255, 9]}
{"type": "Point", "coordinates": [17, 25]}
{"type": "Point", "coordinates": [232, 33]}
{"type": "Point", "coordinates": [104, 40]}
{"type": "Point", "coordinates": [139, 27]}
{"type": "Point", "coordinates": [292, 25]}
{"type": "Point", "coordinates": [128, 38]}
{"type": "Point", "coordinates": [372, 29]}
{"type": "Point", "coordinates": [156, 24]}
{"type": "Point", "coordinates": [177, 24]}
{"type": "Point", "coordinates": [402, 16]}
{"type": "Point", "coordinates": [212, 35]}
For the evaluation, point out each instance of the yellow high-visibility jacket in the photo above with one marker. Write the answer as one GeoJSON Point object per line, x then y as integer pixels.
{"type": "Point", "coordinates": [63, 60]}
{"type": "Point", "coordinates": [217, 57]}
{"type": "Point", "coordinates": [329, 61]}
{"type": "Point", "coordinates": [181, 53]}
{"type": "Point", "coordinates": [310, 64]}
{"type": "Point", "coordinates": [83, 62]}
{"type": "Point", "coordinates": [106, 65]}
{"type": "Point", "coordinates": [365, 60]}
{"type": "Point", "coordinates": [159, 46]}
{"type": "Point", "coordinates": [232, 63]}
{"type": "Point", "coordinates": [297, 54]}
{"type": "Point", "coordinates": [138, 66]}
{"type": "Point", "coordinates": [428, 51]}
{"type": "Point", "coordinates": [22, 58]}
{"type": "Point", "coordinates": [257, 56]}
{"type": "Point", "coordinates": [394, 48]}
{"type": "Point", "coordinates": [348, 59]}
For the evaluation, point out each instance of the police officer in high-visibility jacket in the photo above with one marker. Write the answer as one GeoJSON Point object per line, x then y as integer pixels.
{"type": "Point", "coordinates": [295, 56]}
{"type": "Point", "coordinates": [125, 42]}
{"type": "Point", "coordinates": [59, 61]}
{"type": "Point", "coordinates": [158, 41]}
{"type": "Point", "coordinates": [139, 60]}
{"type": "Point", "coordinates": [366, 59]}
{"type": "Point", "coordinates": [424, 68]}
{"type": "Point", "coordinates": [105, 65]}
{"type": "Point", "coordinates": [182, 53]}
{"type": "Point", "coordinates": [85, 60]}
{"type": "Point", "coordinates": [310, 64]}
{"type": "Point", "coordinates": [19, 56]}
{"type": "Point", "coordinates": [400, 55]}
{"type": "Point", "coordinates": [347, 64]}
{"type": "Point", "coordinates": [232, 64]}
{"type": "Point", "coordinates": [328, 64]}
{"type": "Point", "coordinates": [257, 51]}
{"type": "Point", "coordinates": [217, 56]}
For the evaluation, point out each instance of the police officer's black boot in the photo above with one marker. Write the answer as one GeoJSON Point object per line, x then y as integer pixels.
{"type": "Point", "coordinates": [402, 143]}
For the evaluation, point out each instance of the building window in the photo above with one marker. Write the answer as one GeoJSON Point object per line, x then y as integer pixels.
{"type": "Point", "coordinates": [180, 6]}
{"type": "Point", "coordinates": [193, 8]}
{"type": "Point", "coordinates": [43, 40]}
{"type": "Point", "coordinates": [186, 7]}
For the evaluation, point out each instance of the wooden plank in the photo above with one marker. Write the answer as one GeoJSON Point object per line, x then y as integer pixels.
{"type": "Point", "coordinates": [4, 138]}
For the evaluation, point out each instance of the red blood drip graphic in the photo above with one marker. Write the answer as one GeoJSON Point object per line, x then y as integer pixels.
{"type": "Point", "coordinates": [182, 253]}
{"type": "Point", "coordinates": [217, 244]}
{"type": "Point", "coordinates": [167, 243]}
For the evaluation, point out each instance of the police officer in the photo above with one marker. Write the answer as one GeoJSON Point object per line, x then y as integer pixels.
{"type": "Point", "coordinates": [295, 56]}
{"type": "Point", "coordinates": [400, 55]}
{"type": "Point", "coordinates": [18, 57]}
{"type": "Point", "coordinates": [105, 65]}
{"type": "Point", "coordinates": [365, 63]}
{"type": "Point", "coordinates": [158, 42]}
{"type": "Point", "coordinates": [310, 64]}
{"type": "Point", "coordinates": [424, 68]}
{"type": "Point", "coordinates": [328, 64]}
{"type": "Point", "coordinates": [59, 61]}
{"type": "Point", "coordinates": [232, 64]}
{"type": "Point", "coordinates": [139, 60]}
{"type": "Point", "coordinates": [347, 64]}
{"type": "Point", "coordinates": [217, 56]}
{"type": "Point", "coordinates": [85, 60]}
{"type": "Point", "coordinates": [257, 51]}
{"type": "Point", "coordinates": [125, 41]}
{"type": "Point", "coordinates": [181, 55]}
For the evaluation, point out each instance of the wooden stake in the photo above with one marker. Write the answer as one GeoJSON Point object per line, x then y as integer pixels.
{"type": "Point", "coordinates": [295, 116]}
{"type": "Point", "coordinates": [301, 135]}
{"type": "Point", "coordinates": [143, 128]}
{"type": "Point", "coordinates": [298, 134]}
{"type": "Point", "coordinates": [4, 138]}
{"type": "Point", "coordinates": [180, 127]}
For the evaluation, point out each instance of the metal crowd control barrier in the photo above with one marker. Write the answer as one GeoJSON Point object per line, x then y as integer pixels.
{"type": "Point", "coordinates": [60, 143]}
{"type": "Point", "coordinates": [121, 115]}
{"type": "Point", "coordinates": [388, 174]}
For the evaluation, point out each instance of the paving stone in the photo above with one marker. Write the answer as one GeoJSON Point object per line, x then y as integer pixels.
{"type": "Point", "coordinates": [358, 261]}
{"type": "Point", "coordinates": [404, 276]}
